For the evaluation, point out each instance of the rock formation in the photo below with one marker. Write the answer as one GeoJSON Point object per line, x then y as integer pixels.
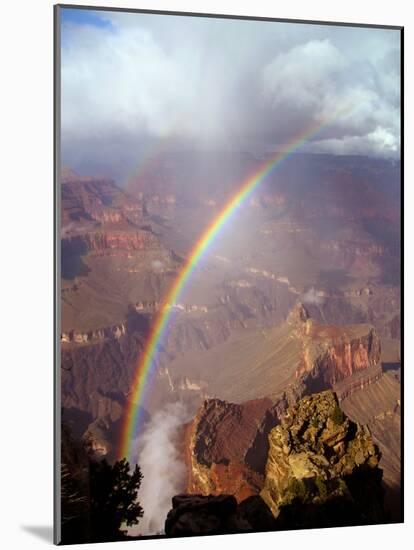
{"type": "Point", "coordinates": [112, 239]}
{"type": "Point", "coordinates": [317, 454]}
{"type": "Point", "coordinates": [223, 454]}
{"type": "Point", "coordinates": [332, 353]}
{"type": "Point", "coordinates": [95, 198]}
{"type": "Point", "coordinates": [322, 471]}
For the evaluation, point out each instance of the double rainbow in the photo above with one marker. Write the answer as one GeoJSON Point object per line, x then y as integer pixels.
{"type": "Point", "coordinates": [147, 361]}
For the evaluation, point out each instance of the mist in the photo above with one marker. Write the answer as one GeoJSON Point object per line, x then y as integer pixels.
{"type": "Point", "coordinates": [162, 467]}
{"type": "Point", "coordinates": [312, 297]}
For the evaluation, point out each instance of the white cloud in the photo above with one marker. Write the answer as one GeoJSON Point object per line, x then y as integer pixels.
{"type": "Point", "coordinates": [358, 99]}
{"type": "Point", "coordinates": [114, 80]}
{"type": "Point", "coordinates": [379, 142]}
{"type": "Point", "coordinates": [305, 76]}
{"type": "Point", "coordinates": [212, 82]}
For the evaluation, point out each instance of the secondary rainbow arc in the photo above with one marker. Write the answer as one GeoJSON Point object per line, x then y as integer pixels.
{"type": "Point", "coordinates": [147, 360]}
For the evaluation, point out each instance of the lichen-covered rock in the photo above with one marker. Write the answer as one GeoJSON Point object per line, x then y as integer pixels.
{"type": "Point", "coordinates": [317, 454]}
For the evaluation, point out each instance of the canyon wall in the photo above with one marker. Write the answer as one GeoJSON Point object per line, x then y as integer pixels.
{"type": "Point", "coordinates": [332, 353]}
{"type": "Point", "coordinates": [105, 240]}
{"type": "Point", "coordinates": [219, 442]}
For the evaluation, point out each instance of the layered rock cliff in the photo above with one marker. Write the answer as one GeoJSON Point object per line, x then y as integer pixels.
{"type": "Point", "coordinates": [226, 449]}
{"type": "Point", "coordinates": [110, 239]}
{"type": "Point", "coordinates": [332, 353]}
{"type": "Point", "coordinates": [96, 198]}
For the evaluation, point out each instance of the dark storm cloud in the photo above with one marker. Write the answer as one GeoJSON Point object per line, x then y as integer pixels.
{"type": "Point", "coordinates": [129, 80]}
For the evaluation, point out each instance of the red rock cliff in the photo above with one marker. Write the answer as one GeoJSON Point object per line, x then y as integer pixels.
{"type": "Point", "coordinates": [218, 447]}
{"type": "Point", "coordinates": [101, 241]}
{"type": "Point", "coordinates": [333, 353]}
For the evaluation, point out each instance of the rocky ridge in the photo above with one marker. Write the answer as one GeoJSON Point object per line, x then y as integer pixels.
{"type": "Point", "coordinates": [322, 471]}
{"type": "Point", "coordinates": [228, 443]}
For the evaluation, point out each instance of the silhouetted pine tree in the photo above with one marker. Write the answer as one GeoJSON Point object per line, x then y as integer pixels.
{"type": "Point", "coordinates": [113, 493]}
{"type": "Point", "coordinates": [97, 498]}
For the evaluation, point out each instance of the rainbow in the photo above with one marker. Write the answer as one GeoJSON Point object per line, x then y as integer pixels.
{"type": "Point", "coordinates": [147, 360]}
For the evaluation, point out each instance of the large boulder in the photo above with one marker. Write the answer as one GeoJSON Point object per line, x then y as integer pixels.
{"type": "Point", "coordinates": [202, 515]}
{"type": "Point", "coordinates": [213, 515]}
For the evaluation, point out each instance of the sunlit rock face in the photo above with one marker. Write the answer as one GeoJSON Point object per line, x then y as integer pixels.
{"type": "Point", "coordinates": [317, 453]}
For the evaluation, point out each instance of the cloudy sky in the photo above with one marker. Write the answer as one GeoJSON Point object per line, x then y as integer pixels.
{"type": "Point", "coordinates": [133, 81]}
